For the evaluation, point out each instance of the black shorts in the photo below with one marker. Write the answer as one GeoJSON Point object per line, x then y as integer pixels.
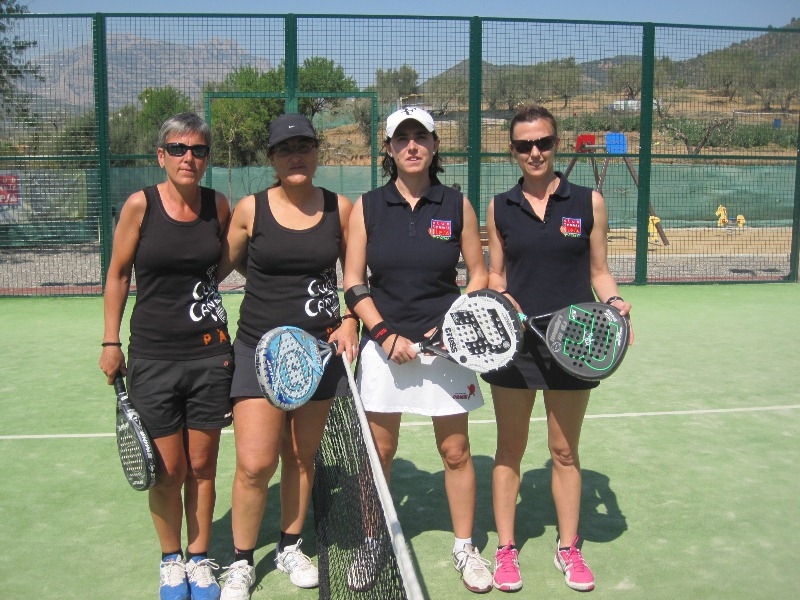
{"type": "Point", "coordinates": [534, 369]}
{"type": "Point", "coordinates": [172, 395]}
{"type": "Point", "coordinates": [245, 383]}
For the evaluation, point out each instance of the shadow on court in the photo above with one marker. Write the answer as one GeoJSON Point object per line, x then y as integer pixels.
{"type": "Point", "coordinates": [421, 504]}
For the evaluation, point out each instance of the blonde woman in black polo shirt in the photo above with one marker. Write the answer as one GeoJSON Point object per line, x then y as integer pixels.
{"type": "Point", "coordinates": [410, 233]}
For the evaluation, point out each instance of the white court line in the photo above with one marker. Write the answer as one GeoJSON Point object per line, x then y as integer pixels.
{"type": "Point", "coordinates": [669, 413]}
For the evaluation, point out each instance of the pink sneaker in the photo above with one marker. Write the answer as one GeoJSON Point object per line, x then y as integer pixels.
{"type": "Point", "coordinates": [506, 569]}
{"type": "Point", "coordinates": [576, 572]}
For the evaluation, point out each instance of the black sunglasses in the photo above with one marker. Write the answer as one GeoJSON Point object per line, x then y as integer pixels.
{"type": "Point", "coordinates": [525, 146]}
{"type": "Point", "coordinates": [177, 149]}
{"type": "Point", "coordinates": [285, 150]}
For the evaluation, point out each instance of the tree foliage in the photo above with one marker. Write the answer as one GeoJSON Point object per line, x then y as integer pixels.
{"type": "Point", "coordinates": [318, 74]}
{"type": "Point", "coordinates": [12, 67]}
{"type": "Point", "coordinates": [393, 84]}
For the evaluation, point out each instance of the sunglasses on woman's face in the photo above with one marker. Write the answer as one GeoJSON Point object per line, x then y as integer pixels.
{"type": "Point", "coordinates": [285, 150]}
{"type": "Point", "coordinates": [526, 146]}
{"type": "Point", "coordinates": [177, 149]}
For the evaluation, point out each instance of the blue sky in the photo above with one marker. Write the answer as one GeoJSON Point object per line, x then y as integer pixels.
{"type": "Point", "coordinates": [745, 13]}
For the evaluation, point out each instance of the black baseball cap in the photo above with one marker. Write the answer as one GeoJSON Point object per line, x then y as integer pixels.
{"type": "Point", "coordinates": [289, 125]}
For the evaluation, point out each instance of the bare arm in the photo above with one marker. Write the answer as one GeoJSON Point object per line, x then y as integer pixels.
{"type": "Point", "coordinates": [118, 282]}
{"type": "Point", "coordinates": [603, 282]}
{"type": "Point", "coordinates": [237, 237]}
{"type": "Point", "coordinates": [472, 250]}
{"type": "Point", "coordinates": [346, 335]}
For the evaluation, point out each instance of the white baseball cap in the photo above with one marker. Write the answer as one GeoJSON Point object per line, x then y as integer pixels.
{"type": "Point", "coordinates": [412, 112]}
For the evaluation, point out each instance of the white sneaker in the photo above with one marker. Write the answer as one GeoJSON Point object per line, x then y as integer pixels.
{"type": "Point", "coordinates": [474, 569]}
{"type": "Point", "coordinates": [239, 578]}
{"type": "Point", "coordinates": [202, 583]}
{"type": "Point", "coordinates": [368, 561]}
{"type": "Point", "coordinates": [301, 570]}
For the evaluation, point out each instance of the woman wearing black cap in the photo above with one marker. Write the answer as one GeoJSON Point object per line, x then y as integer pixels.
{"type": "Point", "coordinates": [286, 240]}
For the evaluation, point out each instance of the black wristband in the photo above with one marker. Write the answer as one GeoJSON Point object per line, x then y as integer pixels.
{"type": "Point", "coordinates": [117, 344]}
{"type": "Point", "coordinates": [380, 332]}
{"type": "Point", "coordinates": [355, 294]}
{"type": "Point", "coordinates": [614, 299]}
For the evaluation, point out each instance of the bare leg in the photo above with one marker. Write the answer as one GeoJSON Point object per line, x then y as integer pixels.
{"type": "Point", "coordinates": [452, 440]}
{"type": "Point", "coordinates": [200, 487]}
{"type": "Point", "coordinates": [512, 410]}
{"type": "Point", "coordinates": [166, 505]}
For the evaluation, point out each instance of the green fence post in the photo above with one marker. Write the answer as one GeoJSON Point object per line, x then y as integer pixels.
{"type": "Point", "coordinates": [474, 129]}
{"type": "Point", "coordinates": [101, 125]}
{"type": "Point", "coordinates": [645, 150]}
{"type": "Point", "coordinates": [290, 63]}
{"type": "Point", "coordinates": [794, 256]}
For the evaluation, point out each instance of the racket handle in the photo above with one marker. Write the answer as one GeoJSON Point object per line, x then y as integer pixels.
{"type": "Point", "coordinates": [417, 348]}
{"type": "Point", "coordinates": [119, 384]}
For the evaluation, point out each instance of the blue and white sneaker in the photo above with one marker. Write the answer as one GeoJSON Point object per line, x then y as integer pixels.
{"type": "Point", "coordinates": [202, 583]}
{"type": "Point", "coordinates": [174, 585]}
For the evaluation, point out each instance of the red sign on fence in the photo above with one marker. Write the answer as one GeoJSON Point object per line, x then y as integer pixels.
{"type": "Point", "coordinates": [9, 190]}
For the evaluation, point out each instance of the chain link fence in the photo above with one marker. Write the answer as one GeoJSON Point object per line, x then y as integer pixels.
{"type": "Point", "coordinates": [690, 132]}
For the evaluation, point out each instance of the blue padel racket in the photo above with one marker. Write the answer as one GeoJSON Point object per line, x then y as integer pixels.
{"type": "Point", "coordinates": [133, 443]}
{"type": "Point", "coordinates": [587, 340]}
{"type": "Point", "coordinates": [480, 331]}
{"type": "Point", "coordinates": [289, 365]}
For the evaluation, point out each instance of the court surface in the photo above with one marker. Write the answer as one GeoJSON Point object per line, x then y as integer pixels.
{"type": "Point", "coordinates": [689, 457]}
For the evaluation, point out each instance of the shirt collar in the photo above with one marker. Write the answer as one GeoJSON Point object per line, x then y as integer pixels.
{"type": "Point", "coordinates": [563, 191]}
{"type": "Point", "coordinates": [434, 194]}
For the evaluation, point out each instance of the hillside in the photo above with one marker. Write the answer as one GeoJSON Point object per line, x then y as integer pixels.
{"type": "Point", "coordinates": [134, 64]}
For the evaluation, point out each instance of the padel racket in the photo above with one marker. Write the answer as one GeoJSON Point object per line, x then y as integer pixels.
{"type": "Point", "coordinates": [289, 365]}
{"type": "Point", "coordinates": [587, 340]}
{"type": "Point", "coordinates": [133, 443]}
{"type": "Point", "coordinates": [480, 331]}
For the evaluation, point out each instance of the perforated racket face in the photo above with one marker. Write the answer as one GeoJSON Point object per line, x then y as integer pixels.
{"type": "Point", "coordinates": [288, 366]}
{"type": "Point", "coordinates": [133, 451]}
{"type": "Point", "coordinates": [481, 331]}
{"type": "Point", "coordinates": [588, 340]}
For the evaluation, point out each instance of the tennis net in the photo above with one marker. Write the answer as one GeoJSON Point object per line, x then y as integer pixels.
{"type": "Point", "coordinates": [361, 549]}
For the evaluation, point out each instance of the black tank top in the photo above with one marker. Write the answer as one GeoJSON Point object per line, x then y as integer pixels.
{"type": "Point", "coordinates": [547, 261]}
{"type": "Point", "coordinates": [412, 255]}
{"type": "Point", "coordinates": [178, 314]}
{"type": "Point", "coordinates": [291, 274]}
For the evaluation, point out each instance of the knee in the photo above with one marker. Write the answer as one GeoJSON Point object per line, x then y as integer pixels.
{"type": "Point", "coordinates": [203, 467]}
{"type": "Point", "coordinates": [256, 471]}
{"type": "Point", "coordinates": [455, 456]}
{"type": "Point", "coordinates": [564, 457]}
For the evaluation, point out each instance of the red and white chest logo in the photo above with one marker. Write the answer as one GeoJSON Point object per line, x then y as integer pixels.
{"type": "Point", "coordinates": [441, 230]}
{"type": "Point", "coordinates": [571, 227]}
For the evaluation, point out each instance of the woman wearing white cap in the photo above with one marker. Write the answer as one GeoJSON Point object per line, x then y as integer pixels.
{"type": "Point", "coordinates": [286, 240]}
{"type": "Point", "coordinates": [410, 234]}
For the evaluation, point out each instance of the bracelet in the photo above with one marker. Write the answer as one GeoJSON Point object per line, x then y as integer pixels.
{"type": "Point", "coordinates": [380, 332]}
{"type": "Point", "coordinates": [614, 299]}
{"type": "Point", "coordinates": [106, 344]}
{"type": "Point", "coordinates": [394, 343]}
{"type": "Point", "coordinates": [349, 316]}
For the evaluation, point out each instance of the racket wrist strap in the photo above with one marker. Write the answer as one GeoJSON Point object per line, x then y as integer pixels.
{"type": "Point", "coordinates": [614, 299]}
{"type": "Point", "coordinates": [380, 332]}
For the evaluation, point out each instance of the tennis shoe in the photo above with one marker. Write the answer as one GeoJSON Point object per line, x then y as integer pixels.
{"type": "Point", "coordinates": [239, 578]}
{"type": "Point", "coordinates": [474, 569]}
{"type": "Point", "coordinates": [202, 583]}
{"type": "Point", "coordinates": [507, 577]}
{"type": "Point", "coordinates": [368, 561]}
{"type": "Point", "coordinates": [576, 572]}
{"type": "Point", "coordinates": [174, 585]}
{"type": "Point", "coordinates": [301, 570]}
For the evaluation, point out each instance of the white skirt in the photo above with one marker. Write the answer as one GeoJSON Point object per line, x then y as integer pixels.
{"type": "Point", "coordinates": [429, 385]}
